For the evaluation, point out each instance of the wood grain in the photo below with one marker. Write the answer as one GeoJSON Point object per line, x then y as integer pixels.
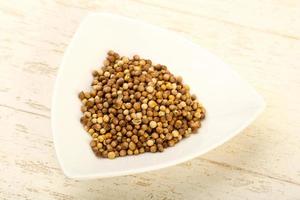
{"type": "Point", "coordinates": [259, 39]}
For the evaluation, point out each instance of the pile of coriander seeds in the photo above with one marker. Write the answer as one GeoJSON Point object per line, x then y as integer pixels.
{"type": "Point", "coordinates": [135, 106]}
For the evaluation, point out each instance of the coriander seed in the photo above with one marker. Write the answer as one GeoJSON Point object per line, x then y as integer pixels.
{"type": "Point", "coordinates": [135, 106]}
{"type": "Point", "coordinates": [111, 155]}
{"type": "Point", "coordinates": [150, 142]}
{"type": "Point", "coordinates": [153, 124]}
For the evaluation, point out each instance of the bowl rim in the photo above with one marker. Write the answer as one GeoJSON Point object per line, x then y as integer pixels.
{"type": "Point", "coordinates": [226, 138]}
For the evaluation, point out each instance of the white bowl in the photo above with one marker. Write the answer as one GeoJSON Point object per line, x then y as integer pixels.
{"type": "Point", "coordinates": [230, 102]}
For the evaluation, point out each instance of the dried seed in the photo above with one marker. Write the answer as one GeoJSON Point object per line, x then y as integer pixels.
{"type": "Point", "coordinates": [152, 104]}
{"type": "Point", "coordinates": [135, 106]}
{"type": "Point", "coordinates": [150, 142]}
{"type": "Point", "coordinates": [153, 124]}
{"type": "Point", "coordinates": [132, 146]}
{"type": "Point", "coordinates": [144, 106]}
{"type": "Point", "coordinates": [123, 152]}
{"type": "Point", "coordinates": [106, 74]}
{"type": "Point", "coordinates": [106, 118]}
{"type": "Point", "coordinates": [111, 155]}
{"type": "Point", "coordinates": [153, 149]}
{"type": "Point", "coordinates": [175, 133]}
{"type": "Point", "coordinates": [150, 89]}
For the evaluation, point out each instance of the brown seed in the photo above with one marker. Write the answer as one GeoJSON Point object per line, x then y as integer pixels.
{"type": "Point", "coordinates": [150, 142]}
{"type": "Point", "coordinates": [100, 138]}
{"type": "Point", "coordinates": [178, 124]}
{"type": "Point", "coordinates": [111, 155]}
{"type": "Point", "coordinates": [106, 118]}
{"type": "Point", "coordinates": [197, 114]}
{"type": "Point", "coordinates": [87, 114]}
{"type": "Point", "coordinates": [102, 131]}
{"type": "Point", "coordinates": [114, 143]}
{"type": "Point", "coordinates": [106, 74]}
{"type": "Point", "coordinates": [123, 152]}
{"type": "Point", "coordinates": [150, 89]}
{"type": "Point", "coordinates": [160, 147]}
{"type": "Point", "coordinates": [108, 135]}
{"type": "Point", "coordinates": [93, 143]}
{"type": "Point", "coordinates": [171, 143]}
{"type": "Point", "coordinates": [153, 124]}
{"type": "Point", "coordinates": [136, 152]}
{"type": "Point", "coordinates": [134, 138]}
{"type": "Point", "coordinates": [137, 95]}
{"type": "Point", "coordinates": [169, 136]}
{"type": "Point", "coordinates": [120, 81]}
{"type": "Point", "coordinates": [83, 109]}
{"type": "Point", "coordinates": [159, 130]}
{"type": "Point", "coordinates": [81, 95]}
{"type": "Point", "coordinates": [179, 79]}
{"type": "Point", "coordinates": [135, 107]}
{"type": "Point", "coordinates": [136, 121]}
{"type": "Point", "coordinates": [144, 106]}
{"type": "Point", "coordinates": [97, 127]}
{"type": "Point", "coordinates": [91, 131]}
{"type": "Point", "coordinates": [155, 135]}
{"type": "Point", "coordinates": [125, 145]}
{"type": "Point", "coordinates": [99, 145]}
{"type": "Point", "coordinates": [161, 113]}
{"type": "Point", "coordinates": [94, 120]}
{"type": "Point", "coordinates": [125, 86]}
{"type": "Point", "coordinates": [175, 133]}
{"type": "Point", "coordinates": [149, 113]}
{"type": "Point", "coordinates": [136, 57]}
{"type": "Point", "coordinates": [105, 105]}
{"type": "Point", "coordinates": [87, 95]}
{"type": "Point", "coordinates": [153, 149]}
{"type": "Point", "coordinates": [132, 146]}
{"type": "Point", "coordinates": [104, 154]}
{"type": "Point", "coordinates": [129, 152]}
{"type": "Point", "coordinates": [107, 89]}
{"type": "Point", "coordinates": [166, 77]}
{"type": "Point", "coordinates": [152, 104]}
{"type": "Point", "coordinates": [142, 150]}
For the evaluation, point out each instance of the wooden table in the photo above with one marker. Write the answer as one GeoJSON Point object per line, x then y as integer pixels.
{"type": "Point", "coordinates": [260, 39]}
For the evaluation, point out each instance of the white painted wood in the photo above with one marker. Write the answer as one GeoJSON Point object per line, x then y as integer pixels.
{"type": "Point", "coordinates": [260, 39]}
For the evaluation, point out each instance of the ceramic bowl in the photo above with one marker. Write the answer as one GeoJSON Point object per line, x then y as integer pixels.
{"type": "Point", "coordinates": [230, 102]}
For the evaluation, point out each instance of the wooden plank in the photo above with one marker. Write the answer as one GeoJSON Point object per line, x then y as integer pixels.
{"type": "Point", "coordinates": [29, 170]}
{"type": "Point", "coordinates": [265, 15]}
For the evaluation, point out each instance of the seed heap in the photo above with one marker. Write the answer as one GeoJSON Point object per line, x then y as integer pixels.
{"type": "Point", "coordinates": [135, 106]}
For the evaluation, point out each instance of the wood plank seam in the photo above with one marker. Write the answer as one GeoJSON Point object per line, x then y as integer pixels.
{"type": "Point", "coordinates": [250, 171]}
{"type": "Point", "coordinates": [220, 20]}
{"type": "Point", "coordinates": [25, 111]}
